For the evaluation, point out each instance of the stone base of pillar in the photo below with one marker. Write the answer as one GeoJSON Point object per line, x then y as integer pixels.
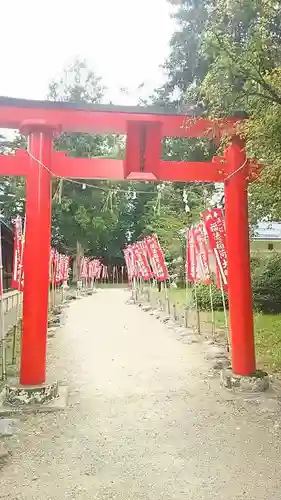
{"type": "Point", "coordinates": [258, 382]}
{"type": "Point", "coordinates": [48, 397]}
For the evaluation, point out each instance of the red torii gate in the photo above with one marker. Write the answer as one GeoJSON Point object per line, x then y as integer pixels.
{"type": "Point", "coordinates": [144, 128]}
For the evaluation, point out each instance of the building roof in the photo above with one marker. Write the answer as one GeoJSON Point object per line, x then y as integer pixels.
{"type": "Point", "coordinates": [268, 231]}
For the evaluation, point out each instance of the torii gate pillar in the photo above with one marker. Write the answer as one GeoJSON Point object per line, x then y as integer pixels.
{"type": "Point", "coordinates": [36, 254]}
{"type": "Point", "coordinates": [238, 251]}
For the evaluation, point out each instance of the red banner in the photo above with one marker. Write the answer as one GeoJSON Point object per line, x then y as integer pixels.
{"type": "Point", "coordinates": [130, 263]}
{"type": "Point", "coordinates": [51, 264]}
{"type": "Point", "coordinates": [140, 258]}
{"type": "Point", "coordinates": [156, 258]}
{"type": "Point", "coordinates": [94, 269]}
{"type": "Point", "coordinates": [65, 273]}
{"type": "Point", "coordinates": [214, 224]}
{"type": "Point", "coordinates": [58, 267]}
{"type": "Point", "coordinates": [84, 268]}
{"type": "Point", "coordinates": [202, 257]}
{"type": "Point", "coordinates": [192, 263]}
{"type": "Point", "coordinates": [104, 272]}
{"type": "Point", "coordinates": [17, 276]}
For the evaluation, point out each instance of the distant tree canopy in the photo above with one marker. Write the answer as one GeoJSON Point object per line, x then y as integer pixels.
{"type": "Point", "coordinates": [226, 57]}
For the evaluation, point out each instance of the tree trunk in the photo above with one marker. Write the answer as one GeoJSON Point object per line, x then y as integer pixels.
{"type": "Point", "coordinates": [77, 261]}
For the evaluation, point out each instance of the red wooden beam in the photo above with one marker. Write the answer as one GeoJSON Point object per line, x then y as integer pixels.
{"type": "Point", "coordinates": [87, 168]}
{"type": "Point", "coordinates": [180, 171]}
{"type": "Point", "coordinates": [107, 119]}
{"type": "Point", "coordinates": [108, 168]}
{"type": "Point", "coordinates": [14, 164]}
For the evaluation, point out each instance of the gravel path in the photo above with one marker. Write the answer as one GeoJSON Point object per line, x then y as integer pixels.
{"type": "Point", "coordinates": [145, 420]}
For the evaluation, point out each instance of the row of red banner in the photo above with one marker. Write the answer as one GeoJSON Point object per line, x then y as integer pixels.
{"type": "Point", "coordinates": [145, 259]}
{"type": "Point", "coordinates": [59, 264]}
{"type": "Point", "coordinates": [59, 267]}
{"type": "Point", "coordinates": [206, 249]}
{"type": "Point", "coordinates": [205, 255]}
{"type": "Point", "coordinates": [93, 269]}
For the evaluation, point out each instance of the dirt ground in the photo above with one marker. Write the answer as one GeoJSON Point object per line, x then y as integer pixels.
{"type": "Point", "coordinates": [146, 420]}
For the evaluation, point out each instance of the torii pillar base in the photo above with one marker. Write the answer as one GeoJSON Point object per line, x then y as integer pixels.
{"type": "Point", "coordinates": [44, 398]}
{"type": "Point", "coordinates": [259, 382]}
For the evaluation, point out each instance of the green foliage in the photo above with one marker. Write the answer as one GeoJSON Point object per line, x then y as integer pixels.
{"type": "Point", "coordinates": [186, 66]}
{"type": "Point", "coordinates": [204, 300]}
{"type": "Point", "coordinates": [12, 190]}
{"type": "Point", "coordinates": [266, 283]}
{"type": "Point", "coordinates": [266, 286]}
{"type": "Point", "coordinates": [225, 57]}
{"type": "Point", "coordinates": [242, 43]}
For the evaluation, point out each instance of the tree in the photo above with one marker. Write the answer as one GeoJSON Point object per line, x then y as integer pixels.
{"type": "Point", "coordinates": [186, 66]}
{"type": "Point", "coordinates": [12, 191]}
{"type": "Point", "coordinates": [85, 213]}
{"type": "Point", "coordinates": [243, 44]}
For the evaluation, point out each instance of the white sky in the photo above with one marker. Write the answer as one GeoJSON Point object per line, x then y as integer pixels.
{"type": "Point", "coordinates": [124, 41]}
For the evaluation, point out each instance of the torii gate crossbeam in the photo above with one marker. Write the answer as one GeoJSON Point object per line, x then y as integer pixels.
{"type": "Point", "coordinates": [144, 129]}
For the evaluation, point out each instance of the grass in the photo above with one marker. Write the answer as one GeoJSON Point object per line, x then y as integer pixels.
{"type": "Point", "coordinates": [268, 341]}
{"type": "Point", "coordinates": [267, 331]}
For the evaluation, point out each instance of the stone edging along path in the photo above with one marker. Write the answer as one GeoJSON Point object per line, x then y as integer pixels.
{"type": "Point", "coordinates": [215, 352]}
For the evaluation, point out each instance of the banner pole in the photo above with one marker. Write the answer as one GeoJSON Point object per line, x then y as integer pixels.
{"type": "Point", "coordinates": [165, 289]}
{"type": "Point", "coordinates": [53, 285]}
{"type": "Point", "coordinates": [225, 319]}
{"type": "Point", "coordinates": [212, 309]}
{"type": "Point", "coordinates": [187, 301]}
{"type": "Point", "coordinates": [3, 336]}
{"type": "Point", "coordinates": [197, 310]}
{"type": "Point", "coordinates": [62, 291]}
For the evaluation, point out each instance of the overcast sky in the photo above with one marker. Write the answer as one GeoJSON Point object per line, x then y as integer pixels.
{"type": "Point", "coordinates": [124, 41]}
